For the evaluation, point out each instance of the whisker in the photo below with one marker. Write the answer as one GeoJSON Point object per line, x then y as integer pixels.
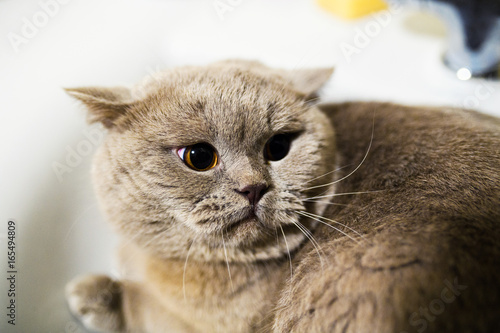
{"type": "Point", "coordinates": [331, 226]}
{"type": "Point", "coordinates": [324, 202]}
{"type": "Point", "coordinates": [129, 258]}
{"type": "Point", "coordinates": [341, 194]}
{"type": "Point", "coordinates": [356, 169]}
{"type": "Point", "coordinates": [227, 262]}
{"type": "Point", "coordinates": [184, 271]}
{"type": "Point", "coordinates": [328, 173]}
{"type": "Point", "coordinates": [289, 255]}
{"type": "Point", "coordinates": [342, 224]}
{"type": "Point", "coordinates": [309, 236]}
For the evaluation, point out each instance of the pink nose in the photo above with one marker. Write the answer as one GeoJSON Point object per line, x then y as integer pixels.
{"type": "Point", "coordinates": [253, 192]}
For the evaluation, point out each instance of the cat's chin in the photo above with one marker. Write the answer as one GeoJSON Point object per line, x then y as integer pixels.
{"type": "Point", "coordinates": [254, 227]}
{"type": "Point", "coordinates": [252, 239]}
{"type": "Point", "coordinates": [271, 245]}
{"type": "Point", "coordinates": [245, 226]}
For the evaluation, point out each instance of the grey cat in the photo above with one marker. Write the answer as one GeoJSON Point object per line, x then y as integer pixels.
{"type": "Point", "coordinates": [245, 207]}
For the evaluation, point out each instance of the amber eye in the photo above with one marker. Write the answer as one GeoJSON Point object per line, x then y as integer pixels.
{"type": "Point", "coordinates": [277, 147]}
{"type": "Point", "coordinates": [199, 157]}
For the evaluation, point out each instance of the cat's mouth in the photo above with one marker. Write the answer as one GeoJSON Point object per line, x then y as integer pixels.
{"type": "Point", "coordinates": [247, 223]}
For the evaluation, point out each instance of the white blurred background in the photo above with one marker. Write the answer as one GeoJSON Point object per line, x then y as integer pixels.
{"type": "Point", "coordinates": [46, 146]}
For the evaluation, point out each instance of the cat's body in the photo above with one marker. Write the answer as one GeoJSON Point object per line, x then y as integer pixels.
{"type": "Point", "coordinates": [408, 242]}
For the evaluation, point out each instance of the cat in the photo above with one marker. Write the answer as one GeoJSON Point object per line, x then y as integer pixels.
{"type": "Point", "coordinates": [246, 206]}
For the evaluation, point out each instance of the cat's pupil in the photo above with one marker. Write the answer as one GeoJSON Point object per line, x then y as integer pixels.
{"type": "Point", "coordinates": [200, 157]}
{"type": "Point", "coordinates": [277, 147]}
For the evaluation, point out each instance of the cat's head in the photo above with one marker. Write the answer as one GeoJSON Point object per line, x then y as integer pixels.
{"type": "Point", "coordinates": [214, 160]}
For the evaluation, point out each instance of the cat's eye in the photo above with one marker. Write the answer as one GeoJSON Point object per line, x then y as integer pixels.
{"type": "Point", "coordinates": [277, 147]}
{"type": "Point", "coordinates": [199, 157]}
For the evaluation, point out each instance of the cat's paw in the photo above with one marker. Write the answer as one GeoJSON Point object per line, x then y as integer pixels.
{"type": "Point", "coordinates": [97, 301]}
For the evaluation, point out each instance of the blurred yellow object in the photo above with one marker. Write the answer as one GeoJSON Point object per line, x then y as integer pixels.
{"type": "Point", "coordinates": [351, 9]}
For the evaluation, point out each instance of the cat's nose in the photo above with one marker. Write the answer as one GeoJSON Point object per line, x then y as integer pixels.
{"type": "Point", "coordinates": [253, 192]}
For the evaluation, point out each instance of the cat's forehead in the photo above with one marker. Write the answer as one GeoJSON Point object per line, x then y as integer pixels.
{"type": "Point", "coordinates": [232, 105]}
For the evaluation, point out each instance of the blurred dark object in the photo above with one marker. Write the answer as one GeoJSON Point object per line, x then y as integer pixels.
{"type": "Point", "coordinates": [473, 34]}
{"type": "Point", "coordinates": [476, 45]}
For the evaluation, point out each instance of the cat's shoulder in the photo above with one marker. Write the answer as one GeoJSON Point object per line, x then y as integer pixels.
{"type": "Point", "coordinates": [416, 137]}
{"type": "Point", "coordinates": [345, 114]}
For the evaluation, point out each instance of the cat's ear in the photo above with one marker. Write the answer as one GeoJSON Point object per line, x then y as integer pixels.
{"type": "Point", "coordinates": [105, 105]}
{"type": "Point", "coordinates": [308, 81]}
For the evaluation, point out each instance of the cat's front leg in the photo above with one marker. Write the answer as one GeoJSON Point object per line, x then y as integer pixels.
{"type": "Point", "coordinates": [97, 301]}
{"type": "Point", "coordinates": [107, 305]}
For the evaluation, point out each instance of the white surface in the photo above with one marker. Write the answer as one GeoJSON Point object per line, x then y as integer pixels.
{"type": "Point", "coordinates": [111, 42]}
